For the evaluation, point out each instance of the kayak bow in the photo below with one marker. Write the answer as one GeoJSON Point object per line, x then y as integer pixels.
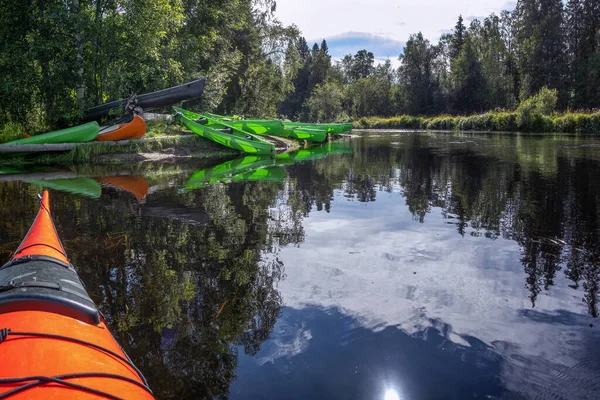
{"type": "Point", "coordinates": [54, 343]}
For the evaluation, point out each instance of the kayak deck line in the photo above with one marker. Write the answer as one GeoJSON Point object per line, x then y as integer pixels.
{"type": "Point", "coordinates": [45, 311]}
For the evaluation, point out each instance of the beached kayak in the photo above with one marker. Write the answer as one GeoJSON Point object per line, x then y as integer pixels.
{"type": "Point", "coordinates": [310, 135]}
{"type": "Point", "coordinates": [255, 126]}
{"type": "Point", "coordinates": [149, 101]}
{"type": "Point", "coordinates": [77, 134]}
{"type": "Point", "coordinates": [54, 344]}
{"type": "Point", "coordinates": [228, 135]}
{"type": "Point", "coordinates": [134, 129]}
{"type": "Point", "coordinates": [335, 129]}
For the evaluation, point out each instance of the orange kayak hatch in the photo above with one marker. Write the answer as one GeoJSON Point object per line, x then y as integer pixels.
{"type": "Point", "coordinates": [54, 343]}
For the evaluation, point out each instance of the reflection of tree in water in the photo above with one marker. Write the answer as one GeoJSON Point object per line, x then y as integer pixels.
{"type": "Point", "coordinates": [181, 297]}
{"type": "Point", "coordinates": [548, 204]}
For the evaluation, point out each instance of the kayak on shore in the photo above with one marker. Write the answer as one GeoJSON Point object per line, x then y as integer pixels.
{"type": "Point", "coordinates": [133, 129]}
{"type": "Point", "coordinates": [76, 134]}
{"type": "Point", "coordinates": [228, 136]}
{"type": "Point", "coordinates": [54, 343]}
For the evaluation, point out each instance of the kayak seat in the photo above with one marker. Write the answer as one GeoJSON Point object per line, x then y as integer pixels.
{"type": "Point", "coordinates": [228, 131]}
{"type": "Point", "coordinates": [38, 283]}
{"type": "Point", "coordinates": [201, 121]}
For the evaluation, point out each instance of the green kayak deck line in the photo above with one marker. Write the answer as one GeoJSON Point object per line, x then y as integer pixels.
{"type": "Point", "coordinates": [83, 186]}
{"type": "Point", "coordinates": [77, 134]}
{"type": "Point", "coordinates": [235, 138]}
{"type": "Point", "coordinates": [241, 169]}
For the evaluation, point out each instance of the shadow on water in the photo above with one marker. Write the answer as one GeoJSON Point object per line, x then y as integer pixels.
{"type": "Point", "coordinates": [187, 265]}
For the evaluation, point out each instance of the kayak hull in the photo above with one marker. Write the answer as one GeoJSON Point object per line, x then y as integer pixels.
{"type": "Point", "coordinates": [310, 135]}
{"type": "Point", "coordinates": [335, 129]}
{"type": "Point", "coordinates": [53, 340]}
{"type": "Point", "coordinates": [77, 134]}
{"type": "Point", "coordinates": [236, 139]}
{"type": "Point", "coordinates": [148, 101]}
{"type": "Point", "coordinates": [134, 129]}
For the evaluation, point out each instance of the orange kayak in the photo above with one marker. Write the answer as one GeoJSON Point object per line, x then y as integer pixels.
{"type": "Point", "coordinates": [54, 343]}
{"type": "Point", "coordinates": [134, 129]}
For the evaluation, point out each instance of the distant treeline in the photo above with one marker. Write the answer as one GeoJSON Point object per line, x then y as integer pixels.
{"type": "Point", "coordinates": [59, 57]}
{"type": "Point", "coordinates": [494, 64]}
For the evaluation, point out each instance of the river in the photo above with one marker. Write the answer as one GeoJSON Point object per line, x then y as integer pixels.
{"type": "Point", "coordinates": [393, 265]}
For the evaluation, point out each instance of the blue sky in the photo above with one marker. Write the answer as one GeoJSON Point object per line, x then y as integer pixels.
{"type": "Point", "coordinates": [380, 26]}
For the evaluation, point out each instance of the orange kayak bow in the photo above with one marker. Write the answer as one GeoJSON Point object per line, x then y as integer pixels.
{"type": "Point", "coordinates": [54, 343]}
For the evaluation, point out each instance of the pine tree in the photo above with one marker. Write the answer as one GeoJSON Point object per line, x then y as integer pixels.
{"type": "Point", "coordinates": [324, 47]}
{"type": "Point", "coordinates": [457, 39]}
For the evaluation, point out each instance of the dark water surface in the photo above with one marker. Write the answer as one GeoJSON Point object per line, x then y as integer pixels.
{"type": "Point", "coordinates": [391, 266]}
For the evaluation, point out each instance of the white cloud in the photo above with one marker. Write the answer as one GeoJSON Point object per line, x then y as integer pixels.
{"type": "Point", "coordinates": [388, 19]}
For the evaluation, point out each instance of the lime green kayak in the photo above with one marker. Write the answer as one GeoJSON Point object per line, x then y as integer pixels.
{"type": "Point", "coordinates": [83, 186]}
{"type": "Point", "coordinates": [254, 126]}
{"type": "Point", "coordinates": [228, 170]}
{"type": "Point", "coordinates": [335, 129]}
{"type": "Point", "coordinates": [310, 135]}
{"type": "Point", "coordinates": [314, 153]}
{"type": "Point", "coordinates": [229, 136]}
{"type": "Point", "coordinates": [77, 134]}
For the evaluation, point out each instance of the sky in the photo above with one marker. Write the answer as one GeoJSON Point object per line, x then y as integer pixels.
{"type": "Point", "coordinates": [380, 26]}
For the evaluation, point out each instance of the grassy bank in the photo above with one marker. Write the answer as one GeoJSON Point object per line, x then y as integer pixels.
{"type": "Point", "coordinates": [491, 121]}
{"type": "Point", "coordinates": [170, 140]}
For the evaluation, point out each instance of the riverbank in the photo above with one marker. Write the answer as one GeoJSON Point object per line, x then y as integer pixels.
{"type": "Point", "coordinates": [490, 121]}
{"type": "Point", "coordinates": [164, 141]}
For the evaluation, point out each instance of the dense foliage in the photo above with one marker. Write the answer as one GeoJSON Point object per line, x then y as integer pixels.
{"type": "Point", "coordinates": [543, 46]}
{"type": "Point", "coordinates": [59, 57]}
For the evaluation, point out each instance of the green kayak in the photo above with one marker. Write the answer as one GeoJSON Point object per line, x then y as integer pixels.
{"type": "Point", "coordinates": [229, 136]}
{"type": "Point", "coordinates": [314, 153]}
{"type": "Point", "coordinates": [310, 135]}
{"type": "Point", "coordinates": [228, 170]}
{"type": "Point", "coordinates": [335, 129]}
{"type": "Point", "coordinates": [254, 126]}
{"type": "Point", "coordinates": [83, 186]}
{"type": "Point", "coordinates": [77, 134]}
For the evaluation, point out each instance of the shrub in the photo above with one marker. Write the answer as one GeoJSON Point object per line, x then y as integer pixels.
{"type": "Point", "coordinates": [11, 131]}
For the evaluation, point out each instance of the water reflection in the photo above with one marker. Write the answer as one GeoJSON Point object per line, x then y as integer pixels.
{"type": "Point", "coordinates": [435, 265]}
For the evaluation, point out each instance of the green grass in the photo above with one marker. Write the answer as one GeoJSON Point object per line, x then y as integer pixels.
{"type": "Point", "coordinates": [510, 121]}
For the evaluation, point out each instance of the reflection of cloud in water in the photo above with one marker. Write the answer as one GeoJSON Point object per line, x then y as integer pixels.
{"type": "Point", "coordinates": [289, 340]}
{"type": "Point", "coordinates": [378, 266]}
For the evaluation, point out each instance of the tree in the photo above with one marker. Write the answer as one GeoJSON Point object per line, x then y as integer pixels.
{"type": "Point", "coordinates": [468, 80]}
{"type": "Point", "coordinates": [541, 46]}
{"type": "Point", "coordinates": [457, 39]}
{"type": "Point", "coordinates": [417, 82]}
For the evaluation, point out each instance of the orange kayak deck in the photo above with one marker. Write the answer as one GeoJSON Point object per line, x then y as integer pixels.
{"type": "Point", "coordinates": [54, 343]}
{"type": "Point", "coordinates": [134, 129]}
{"type": "Point", "coordinates": [42, 239]}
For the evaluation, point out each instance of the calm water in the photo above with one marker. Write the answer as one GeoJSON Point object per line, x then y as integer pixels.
{"type": "Point", "coordinates": [391, 266]}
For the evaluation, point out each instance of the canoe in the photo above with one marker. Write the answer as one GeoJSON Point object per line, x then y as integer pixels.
{"type": "Point", "coordinates": [148, 101]}
{"type": "Point", "coordinates": [77, 134]}
{"type": "Point", "coordinates": [54, 342]}
{"type": "Point", "coordinates": [335, 129]}
{"type": "Point", "coordinates": [83, 186]}
{"type": "Point", "coordinates": [225, 171]}
{"type": "Point", "coordinates": [134, 129]}
{"type": "Point", "coordinates": [230, 136]}
{"type": "Point", "coordinates": [136, 185]}
{"type": "Point", "coordinates": [310, 135]}
{"type": "Point", "coordinates": [272, 127]}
